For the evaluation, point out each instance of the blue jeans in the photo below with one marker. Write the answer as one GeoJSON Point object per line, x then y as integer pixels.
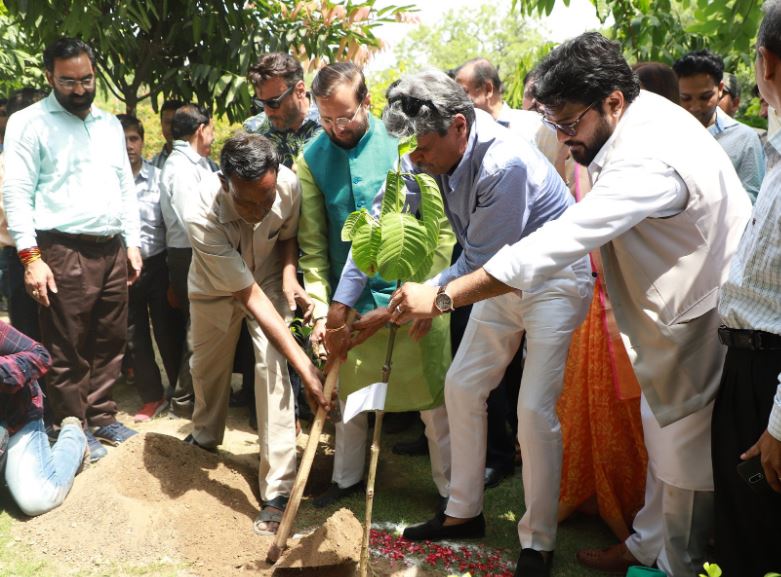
{"type": "Point", "coordinates": [39, 476]}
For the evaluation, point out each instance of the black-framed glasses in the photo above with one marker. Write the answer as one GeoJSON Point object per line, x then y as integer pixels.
{"type": "Point", "coordinates": [70, 83]}
{"type": "Point", "coordinates": [342, 122]}
{"type": "Point", "coordinates": [275, 102]}
{"type": "Point", "coordinates": [570, 128]}
{"type": "Point", "coordinates": [411, 105]}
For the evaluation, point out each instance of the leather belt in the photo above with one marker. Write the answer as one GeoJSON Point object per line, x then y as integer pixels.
{"type": "Point", "coordinates": [749, 339]}
{"type": "Point", "coordinates": [90, 238]}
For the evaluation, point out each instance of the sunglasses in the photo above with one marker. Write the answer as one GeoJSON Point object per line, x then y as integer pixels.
{"type": "Point", "coordinates": [570, 128]}
{"type": "Point", "coordinates": [411, 105]}
{"type": "Point", "coordinates": [275, 102]}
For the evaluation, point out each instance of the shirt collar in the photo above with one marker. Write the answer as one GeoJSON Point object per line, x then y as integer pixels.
{"type": "Point", "coordinates": [723, 122]}
{"type": "Point", "coordinates": [773, 150]}
{"type": "Point", "coordinates": [146, 172]}
{"type": "Point", "coordinates": [461, 168]}
{"type": "Point", "coordinates": [505, 115]}
{"type": "Point", "coordinates": [185, 148]}
{"type": "Point", "coordinates": [53, 105]}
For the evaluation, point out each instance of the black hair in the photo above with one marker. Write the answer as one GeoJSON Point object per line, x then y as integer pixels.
{"type": "Point", "coordinates": [769, 35]}
{"type": "Point", "coordinates": [130, 122]}
{"type": "Point", "coordinates": [273, 65]}
{"type": "Point", "coordinates": [659, 78]}
{"type": "Point", "coordinates": [248, 156]}
{"type": "Point", "coordinates": [585, 69]}
{"type": "Point", "coordinates": [331, 76]}
{"type": "Point", "coordinates": [65, 48]}
{"type": "Point", "coordinates": [23, 98]}
{"type": "Point", "coordinates": [187, 119]}
{"type": "Point", "coordinates": [171, 105]}
{"type": "Point", "coordinates": [700, 62]}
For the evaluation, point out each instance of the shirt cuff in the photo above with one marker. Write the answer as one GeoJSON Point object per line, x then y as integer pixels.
{"type": "Point", "coordinates": [774, 425]}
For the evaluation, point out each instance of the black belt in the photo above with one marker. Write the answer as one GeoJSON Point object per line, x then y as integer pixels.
{"type": "Point", "coordinates": [748, 339]}
{"type": "Point", "coordinates": [91, 238]}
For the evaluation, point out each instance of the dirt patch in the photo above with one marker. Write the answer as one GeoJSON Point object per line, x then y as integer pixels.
{"type": "Point", "coordinates": [336, 543]}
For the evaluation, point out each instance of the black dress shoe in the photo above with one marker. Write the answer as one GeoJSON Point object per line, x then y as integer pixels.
{"type": "Point", "coordinates": [190, 440]}
{"type": "Point", "coordinates": [533, 563]}
{"type": "Point", "coordinates": [417, 447]}
{"type": "Point", "coordinates": [494, 476]}
{"type": "Point", "coordinates": [335, 493]}
{"type": "Point", "coordinates": [435, 530]}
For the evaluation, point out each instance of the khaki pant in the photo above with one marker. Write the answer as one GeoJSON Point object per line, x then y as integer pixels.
{"type": "Point", "coordinates": [211, 366]}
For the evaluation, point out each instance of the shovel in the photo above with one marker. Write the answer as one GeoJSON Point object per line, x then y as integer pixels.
{"type": "Point", "coordinates": [305, 467]}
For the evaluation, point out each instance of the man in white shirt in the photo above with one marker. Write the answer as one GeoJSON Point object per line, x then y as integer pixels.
{"type": "Point", "coordinates": [667, 213]}
{"type": "Point", "coordinates": [747, 413]}
{"type": "Point", "coordinates": [184, 171]}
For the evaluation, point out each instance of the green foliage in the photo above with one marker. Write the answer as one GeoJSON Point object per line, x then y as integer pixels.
{"type": "Point", "coordinates": [19, 64]}
{"type": "Point", "coordinates": [504, 37]}
{"type": "Point", "coordinates": [663, 30]}
{"type": "Point", "coordinates": [398, 245]}
{"type": "Point", "coordinates": [201, 50]}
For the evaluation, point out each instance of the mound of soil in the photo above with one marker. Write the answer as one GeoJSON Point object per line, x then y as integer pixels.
{"type": "Point", "coordinates": [155, 499]}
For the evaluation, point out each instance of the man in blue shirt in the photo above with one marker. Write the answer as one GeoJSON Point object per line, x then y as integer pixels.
{"type": "Point", "coordinates": [497, 188]}
{"type": "Point", "coordinates": [700, 80]}
{"type": "Point", "coordinates": [71, 203]}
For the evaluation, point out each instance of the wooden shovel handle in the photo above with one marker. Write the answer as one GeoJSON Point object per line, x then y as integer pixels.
{"type": "Point", "coordinates": [305, 466]}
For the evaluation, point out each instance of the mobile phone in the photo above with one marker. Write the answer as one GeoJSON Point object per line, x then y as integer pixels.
{"type": "Point", "coordinates": [753, 474]}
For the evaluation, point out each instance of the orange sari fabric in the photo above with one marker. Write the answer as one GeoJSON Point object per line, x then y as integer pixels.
{"type": "Point", "coordinates": [604, 454]}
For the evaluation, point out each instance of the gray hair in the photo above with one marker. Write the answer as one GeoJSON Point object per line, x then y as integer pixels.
{"type": "Point", "coordinates": [439, 98]}
{"type": "Point", "coordinates": [769, 35]}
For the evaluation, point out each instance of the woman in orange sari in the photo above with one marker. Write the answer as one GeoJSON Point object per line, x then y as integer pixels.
{"type": "Point", "coordinates": [604, 463]}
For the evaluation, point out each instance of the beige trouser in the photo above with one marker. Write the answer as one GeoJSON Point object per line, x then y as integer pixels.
{"type": "Point", "coordinates": [211, 366]}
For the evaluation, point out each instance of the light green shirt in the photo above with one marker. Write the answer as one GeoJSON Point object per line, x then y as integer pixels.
{"type": "Point", "coordinates": [68, 174]}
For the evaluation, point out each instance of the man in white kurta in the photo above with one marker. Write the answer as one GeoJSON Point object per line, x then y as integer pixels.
{"type": "Point", "coordinates": [667, 209]}
{"type": "Point", "coordinates": [244, 253]}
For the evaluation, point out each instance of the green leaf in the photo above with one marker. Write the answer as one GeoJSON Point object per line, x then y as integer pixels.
{"type": "Point", "coordinates": [432, 209]}
{"type": "Point", "coordinates": [403, 246]}
{"type": "Point", "coordinates": [353, 222]}
{"type": "Point", "coordinates": [366, 245]}
{"type": "Point", "coordinates": [393, 189]}
{"type": "Point", "coordinates": [407, 145]}
{"type": "Point", "coordinates": [424, 268]}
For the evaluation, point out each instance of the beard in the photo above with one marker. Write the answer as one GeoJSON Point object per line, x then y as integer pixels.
{"type": "Point", "coordinates": [584, 152]}
{"type": "Point", "coordinates": [75, 103]}
{"type": "Point", "coordinates": [349, 139]}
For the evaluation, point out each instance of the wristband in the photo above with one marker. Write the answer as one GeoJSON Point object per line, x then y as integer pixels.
{"type": "Point", "coordinates": [337, 329]}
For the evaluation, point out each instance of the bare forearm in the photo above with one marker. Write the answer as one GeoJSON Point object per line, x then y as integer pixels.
{"type": "Point", "coordinates": [273, 326]}
{"type": "Point", "coordinates": [474, 287]}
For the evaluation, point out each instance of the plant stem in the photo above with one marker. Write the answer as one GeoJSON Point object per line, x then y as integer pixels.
{"type": "Point", "coordinates": [375, 457]}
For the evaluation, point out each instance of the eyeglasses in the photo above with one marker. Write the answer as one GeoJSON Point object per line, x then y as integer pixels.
{"type": "Point", "coordinates": [70, 83]}
{"type": "Point", "coordinates": [342, 122]}
{"type": "Point", "coordinates": [571, 128]}
{"type": "Point", "coordinates": [272, 102]}
{"type": "Point", "coordinates": [411, 105]}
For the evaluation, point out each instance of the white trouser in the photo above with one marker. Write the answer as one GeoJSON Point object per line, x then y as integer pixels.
{"type": "Point", "coordinates": [492, 337]}
{"type": "Point", "coordinates": [350, 448]}
{"type": "Point", "coordinates": [674, 525]}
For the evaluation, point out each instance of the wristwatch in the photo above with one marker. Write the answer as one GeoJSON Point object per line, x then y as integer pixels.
{"type": "Point", "coordinates": [443, 301]}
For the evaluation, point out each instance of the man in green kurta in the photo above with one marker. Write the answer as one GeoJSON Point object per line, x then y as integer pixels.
{"type": "Point", "coordinates": [342, 170]}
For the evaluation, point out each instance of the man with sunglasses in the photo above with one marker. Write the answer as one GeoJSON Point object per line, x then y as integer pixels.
{"type": "Point", "coordinates": [667, 212]}
{"type": "Point", "coordinates": [73, 213]}
{"type": "Point", "coordinates": [288, 117]}
{"type": "Point", "coordinates": [342, 170]}
{"type": "Point", "coordinates": [497, 188]}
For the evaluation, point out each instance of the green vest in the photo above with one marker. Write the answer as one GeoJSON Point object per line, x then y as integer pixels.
{"type": "Point", "coordinates": [352, 179]}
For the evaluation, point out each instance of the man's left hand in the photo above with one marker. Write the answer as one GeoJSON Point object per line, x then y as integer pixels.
{"type": "Point", "coordinates": [769, 450]}
{"type": "Point", "coordinates": [369, 324]}
{"type": "Point", "coordinates": [413, 301]}
{"type": "Point", "coordinates": [297, 297]}
{"type": "Point", "coordinates": [134, 264]}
